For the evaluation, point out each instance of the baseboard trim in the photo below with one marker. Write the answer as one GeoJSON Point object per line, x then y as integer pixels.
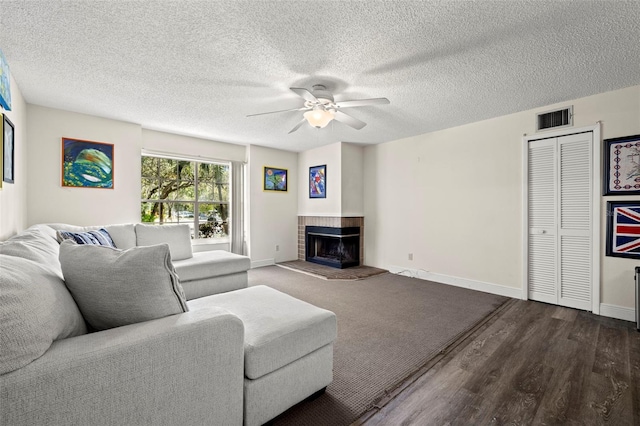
{"type": "Point", "coordinates": [261, 263]}
{"type": "Point", "coordinates": [486, 287]}
{"type": "Point", "coordinates": [618, 312]}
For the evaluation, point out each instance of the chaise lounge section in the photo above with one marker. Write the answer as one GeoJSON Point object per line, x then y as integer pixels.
{"type": "Point", "coordinates": [288, 348]}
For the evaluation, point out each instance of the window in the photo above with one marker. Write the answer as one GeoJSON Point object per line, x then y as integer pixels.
{"type": "Point", "coordinates": [182, 191]}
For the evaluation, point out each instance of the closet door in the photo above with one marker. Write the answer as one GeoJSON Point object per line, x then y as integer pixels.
{"type": "Point", "coordinates": [560, 220]}
{"type": "Point", "coordinates": [575, 220]}
{"type": "Point", "coordinates": [542, 221]}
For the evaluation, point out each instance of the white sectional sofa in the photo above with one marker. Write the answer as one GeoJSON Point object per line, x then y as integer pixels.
{"type": "Point", "coordinates": [237, 357]}
{"type": "Point", "coordinates": [201, 274]}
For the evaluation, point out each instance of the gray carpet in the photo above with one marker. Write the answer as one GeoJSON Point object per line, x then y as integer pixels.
{"type": "Point", "coordinates": [388, 327]}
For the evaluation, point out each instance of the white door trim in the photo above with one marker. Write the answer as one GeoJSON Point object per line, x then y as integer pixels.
{"type": "Point", "coordinates": [596, 198]}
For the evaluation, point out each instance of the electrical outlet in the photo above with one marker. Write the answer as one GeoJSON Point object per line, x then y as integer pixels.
{"type": "Point", "coordinates": [410, 256]}
{"type": "Point", "coordinates": [277, 247]}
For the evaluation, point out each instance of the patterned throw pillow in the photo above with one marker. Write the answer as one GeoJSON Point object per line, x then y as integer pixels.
{"type": "Point", "coordinates": [99, 237]}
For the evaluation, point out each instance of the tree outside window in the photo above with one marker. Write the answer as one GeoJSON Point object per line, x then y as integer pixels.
{"type": "Point", "coordinates": [192, 192]}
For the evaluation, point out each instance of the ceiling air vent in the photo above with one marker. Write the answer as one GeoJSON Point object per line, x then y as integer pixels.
{"type": "Point", "coordinates": [554, 119]}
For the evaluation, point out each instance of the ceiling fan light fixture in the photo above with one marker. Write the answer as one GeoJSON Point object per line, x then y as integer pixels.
{"type": "Point", "coordinates": [319, 117]}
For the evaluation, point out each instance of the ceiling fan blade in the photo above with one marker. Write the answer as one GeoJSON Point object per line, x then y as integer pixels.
{"type": "Point", "coordinates": [298, 125]}
{"type": "Point", "coordinates": [304, 93]}
{"type": "Point", "coordinates": [282, 110]}
{"type": "Point", "coordinates": [362, 102]}
{"type": "Point", "coordinates": [349, 120]}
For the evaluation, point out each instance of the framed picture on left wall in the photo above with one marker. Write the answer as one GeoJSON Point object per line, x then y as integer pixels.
{"type": "Point", "coordinates": [8, 148]}
{"type": "Point", "coordinates": [87, 164]}
{"type": "Point", "coordinates": [1, 147]}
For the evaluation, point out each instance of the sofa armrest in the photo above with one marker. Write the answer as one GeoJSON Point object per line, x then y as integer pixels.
{"type": "Point", "coordinates": [183, 369]}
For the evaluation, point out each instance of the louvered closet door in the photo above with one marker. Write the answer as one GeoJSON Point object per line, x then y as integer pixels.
{"type": "Point", "coordinates": [575, 220]}
{"type": "Point", "coordinates": [560, 220]}
{"type": "Point", "coordinates": [542, 221]}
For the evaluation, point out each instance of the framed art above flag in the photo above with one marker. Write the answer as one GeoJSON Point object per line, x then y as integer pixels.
{"type": "Point", "coordinates": [622, 166]}
{"type": "Point", "coordinates": [623, 229]}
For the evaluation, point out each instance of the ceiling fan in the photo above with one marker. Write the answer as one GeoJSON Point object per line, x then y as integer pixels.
{"type": "Point", "coordinates": [320, 108]}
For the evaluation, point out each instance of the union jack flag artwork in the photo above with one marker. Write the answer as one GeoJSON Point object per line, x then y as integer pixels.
{"type": "Point", "coordinates": [623, 236]}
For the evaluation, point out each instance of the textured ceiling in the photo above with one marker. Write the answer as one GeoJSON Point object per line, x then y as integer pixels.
{"type": "Point", "coordinates": [199, 67]}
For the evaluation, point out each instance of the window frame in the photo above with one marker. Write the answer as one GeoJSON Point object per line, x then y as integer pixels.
{"type": "Point", "coordinates": [195, 235]}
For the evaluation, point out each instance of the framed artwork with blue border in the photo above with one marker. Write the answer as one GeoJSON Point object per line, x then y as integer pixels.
{"type": "Point", "coordinates": [5, 83]}
{"type": "Point", "coordinates": [87, 164]}
{"type": "Point", "coordinates": [318, 181]}
{"type": "Point", "coordinates": [275, 179]}
{"type": "Point", "coordinates": [622, 166]}
{"type": "Point", "coordinates": [623, 229]}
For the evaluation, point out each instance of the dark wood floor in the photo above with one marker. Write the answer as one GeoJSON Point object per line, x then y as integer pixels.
{"type": "Point", "coordinates": [532, 364]}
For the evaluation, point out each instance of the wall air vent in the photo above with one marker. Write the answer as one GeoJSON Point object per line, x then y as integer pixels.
{"type": "Point", "coordinates": [554, 119]}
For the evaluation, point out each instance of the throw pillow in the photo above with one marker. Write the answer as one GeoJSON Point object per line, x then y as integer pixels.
{"type": "Point", "coordinates": [99, 237]}
{"type": "Point", "coordinates": [35, 309]}
{"type": "Point", "coordinates": [123, 235]}
{"type": "Point", "coordinates": [118, 287]}
{"type": "Point", "coordinates": [177, 236]}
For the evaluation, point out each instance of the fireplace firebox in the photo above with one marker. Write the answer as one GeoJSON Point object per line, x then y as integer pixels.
{"type": "Point", "coordinates": [335, 247]}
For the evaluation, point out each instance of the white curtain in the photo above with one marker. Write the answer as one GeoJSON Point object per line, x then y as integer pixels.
{"type": "Point", "coordinates": [237, 208]}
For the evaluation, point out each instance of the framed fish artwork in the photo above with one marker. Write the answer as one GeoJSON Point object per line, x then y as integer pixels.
{"type": "Point", "coordinates": [87, 164]}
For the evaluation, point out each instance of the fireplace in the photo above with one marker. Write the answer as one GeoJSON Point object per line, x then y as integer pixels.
{"type": "Point", "coordinates": [335, 247]}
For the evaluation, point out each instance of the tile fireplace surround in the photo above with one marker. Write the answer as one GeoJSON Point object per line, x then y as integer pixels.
{"type": "Point", "coordinates": [334, 222]}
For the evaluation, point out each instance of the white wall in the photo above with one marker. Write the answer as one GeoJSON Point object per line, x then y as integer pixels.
{"type": "Point", "coordinates": [331, 155]}
{"type": "Point", "coordinates": [168, 143]}
{"type": "Point", "coordinates": [453, 197]}
{"type": "Point", "coordinates": [619, 112]}
{"type": "Point", "coordinates": [48, 201]}
{"type": "Point", "coordinates": [344, 180]}
{"type": "Point", "coordinates": [13, 196]}
{"type": "Point", "coordinates": [273, 218]}
{"type": "Point", "coordinates": [352, 180]}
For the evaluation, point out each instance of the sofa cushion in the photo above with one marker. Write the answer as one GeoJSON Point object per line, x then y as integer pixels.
{"type": "Point", "coordinates": [207, 264]}
{"type": "Point", "coordinates": [118, 287]}
{"type": "Point", "coordinates": [99, 237]}
{"type": "Point", "coordinates": [123, 235]}
{"type": "Point", "coordinates": [177, 236]}
{"type": "Point", "coordinates": [278, 328]}
{"type": "Point", "coordinates": [33, 244]}
{"type": "Point", "coordinates": [35, 309]}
